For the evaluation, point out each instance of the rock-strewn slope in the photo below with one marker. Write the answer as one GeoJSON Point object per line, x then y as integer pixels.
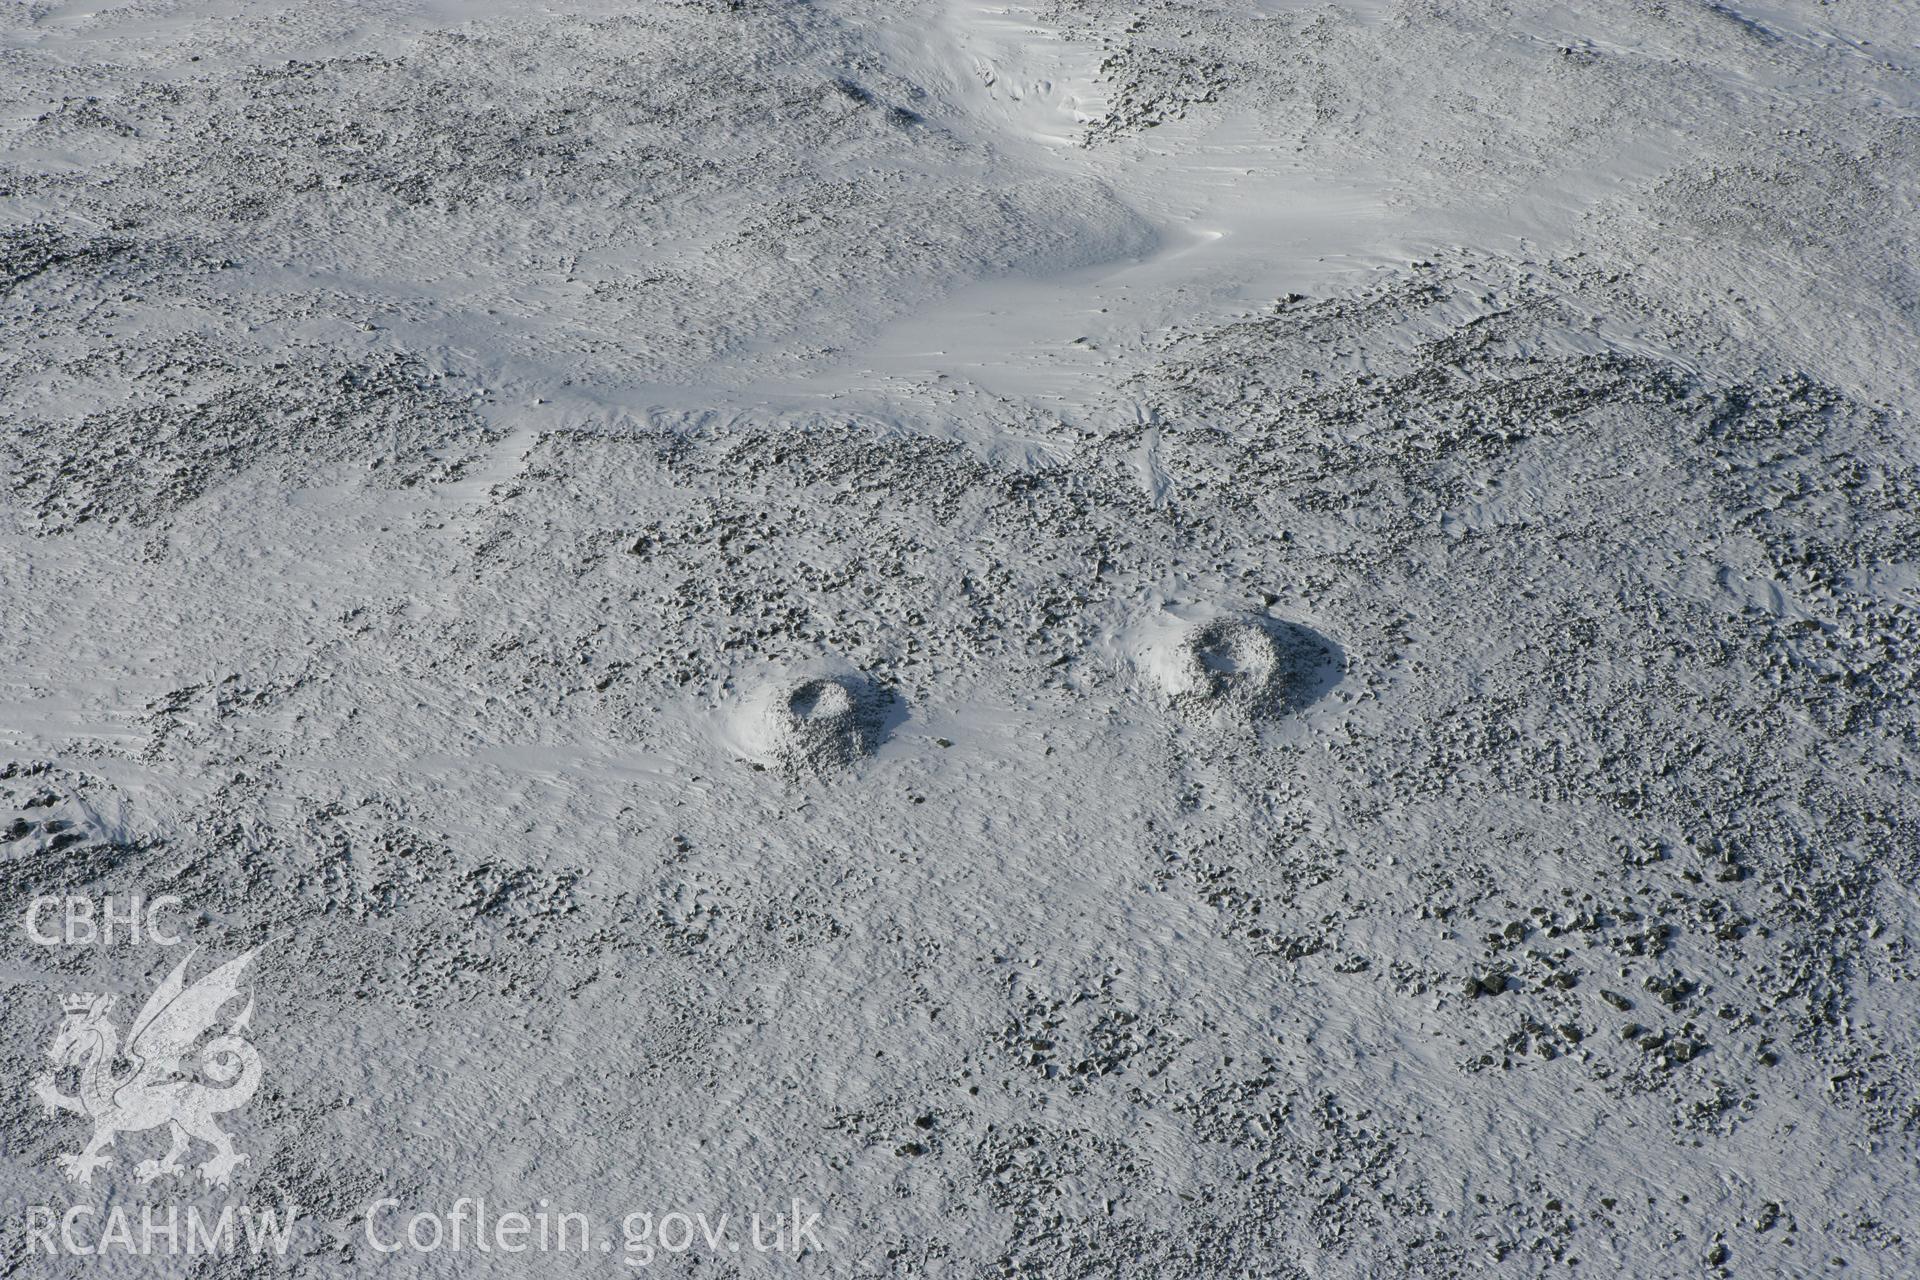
{"type": "Point", "coordinates": [739, 614]}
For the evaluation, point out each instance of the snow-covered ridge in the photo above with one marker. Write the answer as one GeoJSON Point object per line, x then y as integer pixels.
{"type": "Point", "coordinates": [1206, 639]}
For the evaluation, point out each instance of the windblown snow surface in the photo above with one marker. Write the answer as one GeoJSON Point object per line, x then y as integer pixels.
{"type": "Point", "coordinates": [1199, 638]}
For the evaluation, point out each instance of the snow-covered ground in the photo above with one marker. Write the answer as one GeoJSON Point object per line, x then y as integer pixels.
{"type": "Point", "coordinates": [1210, 638]}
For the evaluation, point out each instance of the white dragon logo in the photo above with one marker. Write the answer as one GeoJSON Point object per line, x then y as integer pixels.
{"type": "Point", "coordinates": [164, 1075]}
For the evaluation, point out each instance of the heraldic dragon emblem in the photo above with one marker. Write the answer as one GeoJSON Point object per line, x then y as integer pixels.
{"type": "Point", "coordinates": [169, 1072]}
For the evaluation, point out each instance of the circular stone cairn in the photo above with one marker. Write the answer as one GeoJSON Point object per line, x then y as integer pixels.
{"type": "Point", "coordinates": [1227, 664]}
{"type": "Point", "coordinates": [822, 722]}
